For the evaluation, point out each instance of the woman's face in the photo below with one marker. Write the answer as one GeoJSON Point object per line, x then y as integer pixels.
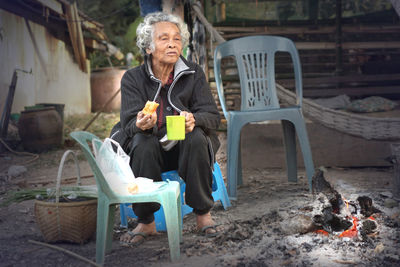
{"type": "Point", "coordinates": [167, 43]}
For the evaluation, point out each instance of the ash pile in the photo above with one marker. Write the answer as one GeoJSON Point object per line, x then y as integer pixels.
{"type": "Point", "coordinates": [325, 228]}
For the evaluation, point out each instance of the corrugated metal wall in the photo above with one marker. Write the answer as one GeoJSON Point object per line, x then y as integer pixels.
{"type": "Point", "coordinates": [58, 80]}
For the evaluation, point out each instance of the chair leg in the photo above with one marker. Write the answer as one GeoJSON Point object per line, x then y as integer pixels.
{"type": "Point", "coordinates": [233, 144]}
{"type": "Point", "coordinates": [173, 222]}
{"type": "Point", "coordinates": [239, 172]}
{"type": "Point", "coordinates": [186, 209]}
{"type": "Point", "coordinates": [110, 225]}
{"type": "Point", "coordinates": [220, 193]}
{"type": "Point", "coordinates": [180, 214]}
{"type": "Point", "coordinates": [103, 213]}
{"type": "Point", "coordinates": [301, 131]}
{"type": "Point", "coordinates": [289, 138]}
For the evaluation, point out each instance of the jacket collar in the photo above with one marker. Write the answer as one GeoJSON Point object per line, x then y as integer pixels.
{"type": "Point", "coordinates": [180, 65]}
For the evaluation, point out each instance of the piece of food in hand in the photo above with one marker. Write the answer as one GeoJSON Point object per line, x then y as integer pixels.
{"type": "Point", "coordinates": [150, 107]}
{"type": "Point", "coordinates": [133, 188]}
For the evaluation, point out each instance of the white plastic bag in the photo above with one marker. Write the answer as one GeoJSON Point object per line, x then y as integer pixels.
{"type": "Point", "coordinates": [114, 166]}
{"type": "Point", "coordinates": [117, 170]}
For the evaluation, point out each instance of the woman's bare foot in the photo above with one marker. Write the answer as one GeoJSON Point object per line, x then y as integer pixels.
{"type": "Point", "coordinates": [207, 226]}
{"type": "Point", "coordinates": [138, 235]}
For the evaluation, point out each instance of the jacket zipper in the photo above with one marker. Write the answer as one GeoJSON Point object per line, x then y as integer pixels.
{"type": "Point", "coordinates": [112, 136]}
{"type": "Point", "coordinates": [159, 86]}
{"type": "Point", "coordinates": [170, 88]}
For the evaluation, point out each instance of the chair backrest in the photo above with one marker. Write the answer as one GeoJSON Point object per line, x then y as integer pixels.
{"type": "Point", "coordinates": [255, 59]}
{"type": "Point", "coordinates": [83, 139]}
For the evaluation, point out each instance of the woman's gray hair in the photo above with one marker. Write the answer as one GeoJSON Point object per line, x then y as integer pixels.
{"type": "Point", "coordinates": [145, 30]}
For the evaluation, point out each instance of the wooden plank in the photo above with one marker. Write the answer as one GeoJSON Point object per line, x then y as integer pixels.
{"type": "Point", "coordinates": [279, 76]}
{"type": "Point", "coordinates": [94, 29]}
{"type": "Point", "coordinates": [352, 91]}
{"type": "Point", "coordinates": [92, 43]}
{"type": "Point", "coordinates": [342, 79]}
{"type": "Point", "coordinates": [79, 39]}
{"type": "Point", "coordinates": [86, 18]}
{"type": "Point", "coordinates": [280, 31]}
{"type": "Point", "coordinates": [75, 33]}
{"type": "Point", "coordinates": [371, 45]}
{"type": "Point", "coordinates": [338, 37]}
{"type": "Point", "coordinates": [312, 29]}
{"type": "Point", "coordinates": [371, 28]}
{"type": "Point", "coordinates": [314, 45]}
{"type": "Point", "coordinates": [53, 5]}
{"type": "Point", "coordinates": [72, 31]}
{"type": "Point", "coordinates": [329, 92]}
{"type": "Point", "coordinates": [346, 45]}
{"type": "Point", "coordinates": [83, 15]}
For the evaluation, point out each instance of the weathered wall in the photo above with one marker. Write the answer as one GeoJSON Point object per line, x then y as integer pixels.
{"type": "Point", "coordinates": [64, 82]}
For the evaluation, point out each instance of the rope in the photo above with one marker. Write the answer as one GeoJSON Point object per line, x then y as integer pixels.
{"type": "Point", "coordinates": [65, 251]}
{"type": "Point", "coordinates": [35, 156]}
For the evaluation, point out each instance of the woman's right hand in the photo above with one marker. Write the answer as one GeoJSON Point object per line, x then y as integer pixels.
{"type": "Point", "coordinates": [145, 122]}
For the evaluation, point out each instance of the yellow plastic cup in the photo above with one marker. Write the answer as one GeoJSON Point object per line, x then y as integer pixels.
{"type": "Point", "coordinates": [175, 127]}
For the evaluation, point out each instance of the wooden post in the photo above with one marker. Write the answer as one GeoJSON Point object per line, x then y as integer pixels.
{"type": "Point", "coordinates": [396, 168]}
{"type": "Point", "coordinates": [214, 33]}
{"type": "Point", "coordinates": [76, 36]}
{"type": "Point", "coordinates": [220, 11]}
{"type": "Point", "coordinates": [338, 37]}
{"type": "Point", "coordinates": [313, 10]}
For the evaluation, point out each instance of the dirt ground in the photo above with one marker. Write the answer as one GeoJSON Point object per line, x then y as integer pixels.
{"type": "Point", "coordinates": [266, 226]}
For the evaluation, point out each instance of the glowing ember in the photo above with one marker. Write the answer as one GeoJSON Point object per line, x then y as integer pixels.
{"type": "Point", "coordinates": [322, 232]}
{"type": "Point", "coordinates": [351, 232]}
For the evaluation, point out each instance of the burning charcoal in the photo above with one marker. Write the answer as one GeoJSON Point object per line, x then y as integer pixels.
{"type": "Point", "coordinates": [368, 226]}
{"type": "Point", "coordinates": [319, 184]}
{"type": "Point", "coordinates": [354, 206]}
{"type": "Point", "coordinates": [367, 209]}
{"type": "Point", "coordinates": [339, 224]}
{"type": "Point", "coordinates": [331, 222]}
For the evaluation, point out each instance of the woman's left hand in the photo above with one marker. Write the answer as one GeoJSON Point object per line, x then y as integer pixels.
{"type": "Point", "coordinates": [189, 121]}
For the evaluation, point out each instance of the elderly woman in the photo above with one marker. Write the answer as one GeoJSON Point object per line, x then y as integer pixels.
{"type": "Point", "coordinates": [180, 88]}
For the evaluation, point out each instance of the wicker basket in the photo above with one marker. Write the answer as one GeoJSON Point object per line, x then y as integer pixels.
{"type": "Point", "coordinates": [73, 221]}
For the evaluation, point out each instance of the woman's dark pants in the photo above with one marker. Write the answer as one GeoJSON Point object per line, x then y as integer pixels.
{"type": "Point", "coordinates": [191, 157]}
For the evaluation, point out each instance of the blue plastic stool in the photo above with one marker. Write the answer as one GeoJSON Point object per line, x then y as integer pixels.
{"type": "Point", "coordinates": [219, 193]}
